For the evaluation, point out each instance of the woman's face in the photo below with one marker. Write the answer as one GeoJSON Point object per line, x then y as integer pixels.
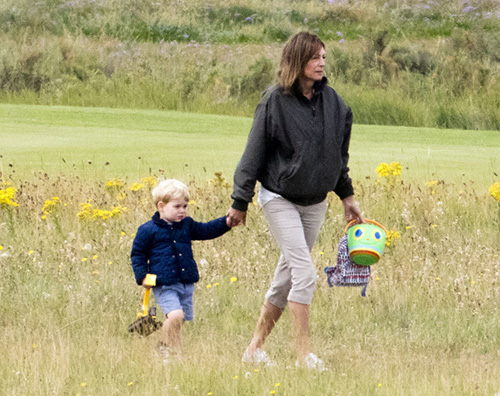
{"type": "Point", "coordinates": [313, 71]}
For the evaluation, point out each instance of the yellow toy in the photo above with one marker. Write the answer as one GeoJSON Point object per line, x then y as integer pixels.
{"type": "Point", "coordinates": [146, 323]}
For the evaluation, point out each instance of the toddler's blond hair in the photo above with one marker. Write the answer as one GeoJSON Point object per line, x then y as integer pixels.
{"type": "Point", "coordinates": [169, 189]}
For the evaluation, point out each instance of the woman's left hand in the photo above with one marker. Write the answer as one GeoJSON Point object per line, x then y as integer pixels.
{"type": "Point", "coordinates": [351, 210]}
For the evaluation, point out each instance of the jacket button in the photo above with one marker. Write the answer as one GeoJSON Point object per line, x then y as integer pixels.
{"type": "Point", "coordinates": [173, 255]}
{"type": "Point", "coordinates": [175, 241]}
{"type": "Point", "coordinates": [180, 254]}
{"type": "Point", "coordinates": [183, 269]}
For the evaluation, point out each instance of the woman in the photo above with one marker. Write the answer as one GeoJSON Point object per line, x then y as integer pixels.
{"type": "Point", "coordinates": [298, 150]}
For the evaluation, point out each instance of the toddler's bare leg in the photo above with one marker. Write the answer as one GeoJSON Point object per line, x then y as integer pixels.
{"type": "Point", "coordinates": [171, 334]}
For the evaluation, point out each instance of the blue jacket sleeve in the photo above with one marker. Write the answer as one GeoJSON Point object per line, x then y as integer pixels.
{"type": "Point", "coordinates": [209, 230]}
{"type": "Point", "coordinates": [140, 253]}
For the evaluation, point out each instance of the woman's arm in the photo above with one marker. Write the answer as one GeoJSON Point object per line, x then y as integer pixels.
{"type": "Point", "coordinates": [251, 163]}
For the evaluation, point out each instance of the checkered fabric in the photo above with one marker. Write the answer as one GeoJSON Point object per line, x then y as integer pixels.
{"type": "Point", "coordinates": [347, 272]}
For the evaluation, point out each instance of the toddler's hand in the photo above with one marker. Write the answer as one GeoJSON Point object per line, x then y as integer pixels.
{"type": "Point", "coordinates": [145, 285]}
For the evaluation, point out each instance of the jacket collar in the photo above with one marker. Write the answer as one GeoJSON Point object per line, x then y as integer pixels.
{"type": "Point", "coordinates": [162, 223]}
{"type": "Point", "coordinates": [318, 86]}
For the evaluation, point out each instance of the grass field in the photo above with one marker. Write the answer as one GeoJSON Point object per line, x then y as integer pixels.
{"type": "Point", "coordinates": [136, 143]}
{"type": "Point", "coordinates": [428, 326]}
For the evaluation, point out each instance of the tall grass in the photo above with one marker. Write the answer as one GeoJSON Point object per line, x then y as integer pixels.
{"type": "Point", "coordinates": [411, 63]}
{"type": "Point", "coordinates": [428, 326]}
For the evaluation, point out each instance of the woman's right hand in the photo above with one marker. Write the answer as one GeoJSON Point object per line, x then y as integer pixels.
{"type": "Point", "coordinates": [235, 217]}
{"type": "Point", "coordinates": [352, 211]}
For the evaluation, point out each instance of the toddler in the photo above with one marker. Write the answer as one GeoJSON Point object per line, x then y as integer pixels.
{"type": "Point", "coordinates": [162, 246]}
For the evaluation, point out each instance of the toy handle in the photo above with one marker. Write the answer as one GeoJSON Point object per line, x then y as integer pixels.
{"type": "Point", "coordinates": [367, 220]}
{"type": "Point", "coordinates": [145, 302]}
{"type": "Point", "coordinates": [150, 281]}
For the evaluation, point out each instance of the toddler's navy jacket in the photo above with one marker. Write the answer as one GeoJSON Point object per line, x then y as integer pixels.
{"type": "Point", "coordinates": [165, 249]}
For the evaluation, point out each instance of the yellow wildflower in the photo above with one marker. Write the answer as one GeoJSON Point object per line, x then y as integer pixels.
{"type": "Point", "coordinates": [136, 187]}
{"type": "Point", "coordinates": [50, 205]}
{"type": "Point", "coordinates": [86, 211]}
{"type": "Point", "coordinates": [116, 184]}
{"type": "Point", "coordinates": [391, 236]}
{"type": "Point", "coordinates": [219, 180]}
{"type": "Point", "coordinates": [494, 190]}
{"type": "Point", "coordinates": [382, 170]}
{"type": "Point", "coordinates": [150, 181]}
{"type": "Point", "coordinates": [395, 168]}
{"type": "Point", "coordinates": [7, 197]}
{"type": "Point", "coordinates": [118, 210]}
{"type": "Point", "coordinates": [234, 279]}
{"type": "Point", "coordinates": [387, 170]}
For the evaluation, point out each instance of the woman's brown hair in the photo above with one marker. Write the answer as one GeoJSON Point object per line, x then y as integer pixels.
{"type": "Point", "coordinates": [299, 49]}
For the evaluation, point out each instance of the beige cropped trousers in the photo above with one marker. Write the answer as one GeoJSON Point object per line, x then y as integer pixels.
{"type": "Point", "coordinates": [295, 229]}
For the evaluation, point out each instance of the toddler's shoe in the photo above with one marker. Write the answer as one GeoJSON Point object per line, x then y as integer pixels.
{"type": "Point", "coordinates": [258, 356]}
{"type": "Point", "coordinates": [312, 362]}
{"type": "Point", "coordinates": [166, 355]}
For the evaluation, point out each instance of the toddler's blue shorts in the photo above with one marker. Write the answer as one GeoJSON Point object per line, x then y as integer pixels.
{"type": "Point", "coordinates": [176, 296]}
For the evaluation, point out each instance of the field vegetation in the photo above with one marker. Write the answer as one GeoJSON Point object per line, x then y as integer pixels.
{"type": "Point", "coordinates": [411, 62]}
{"type": "Point", "coordinates": [109, 80]}
{"type": "Point", "coordinates": [428, 326]}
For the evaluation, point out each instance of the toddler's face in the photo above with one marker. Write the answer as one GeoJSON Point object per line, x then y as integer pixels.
{"type": "Point", "coordinates": [174, 211]}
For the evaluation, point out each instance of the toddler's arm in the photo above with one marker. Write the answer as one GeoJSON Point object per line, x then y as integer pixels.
{"type": "Point", "coordinates": [140, 254]}
{"type": "Point", "coordinates": [209, 230]}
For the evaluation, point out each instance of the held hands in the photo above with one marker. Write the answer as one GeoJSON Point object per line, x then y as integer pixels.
{"type": "Point", "coordinates": [235, 217]}
{"type": "Point", "coordinates": [351, 210]}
